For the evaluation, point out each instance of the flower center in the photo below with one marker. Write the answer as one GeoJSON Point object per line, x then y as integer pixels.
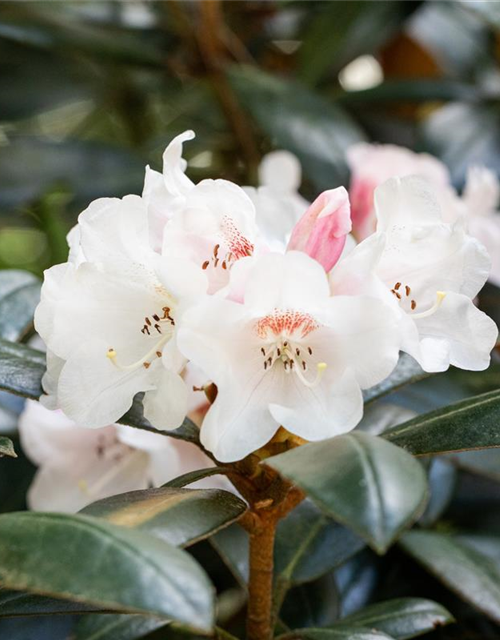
{"type": "Point", "coordinates": [408, 302]}
{"type": "Point", "coordinates": [235, 244]}
{"type": "Point", "coordinates": [154, 325]}
{"type": "Point", "coordinates": [285, 336]}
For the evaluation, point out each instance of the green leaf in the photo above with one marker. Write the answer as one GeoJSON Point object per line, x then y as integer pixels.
{"type": "Point", "coordinates": [309, 544]}
{"type": "Point", "coordinates": [194, 476]}
{"type": "Point", "coordinates": [484, 463]}
{"type": "Point", "coordinates": [299, 120]}
{"type": "Point", "coordinates": [232, 545]}
{"type": "Point", "coordinates": [362, 481]}
{"type": "Point", "coordinates": [443, 477]}
{"type": "Point", "coordinates": [7, 447]}
{"type": "Point", "coordinates": [347, 633]}
{"type": "Point", "coordinates": [178, 516]}
{"type": "Point", "coordinates": [93, 562]}
{"type": "Point", "coordinates": [485, 9]}
{"type": "Point", "coordinates": [116, 627]}
{"type": "Point", "coordinates": [17, 603]}
{"type": "Point", "coordinates": [467, 572]}
{"type": "Point", "coordinates": [473, 423]}
{"type": "Point", "coordinates": [406, 372]}
{"type": "Point", "coordinates": [340, 32]}
{"type": "Point", "coordinates": [414, 90]}
{"type": "Point", "coordinates": [19, 295]}
{"type": "Point", "coordinates": [21, 369]}
{"type": "Point", "coordinates": [315, 604]}
{"type": "Point", "coordinates": [401, 618]}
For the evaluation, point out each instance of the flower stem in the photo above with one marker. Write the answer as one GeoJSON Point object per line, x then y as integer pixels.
{"type": "Point", "coordinates": [260, 584]}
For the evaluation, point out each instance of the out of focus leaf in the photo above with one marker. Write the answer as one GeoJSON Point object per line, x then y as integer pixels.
{"type": "Point", "coordinates": [7, 447]}
{"type": "Point", "coordinates": [484, 463]}
{"type": "Point", "coordinates": [340, 32]}
{"type": "Point", "coordinates": [178, 516]}
{"type": "Point", "coordinates": [466, 571]}
{"type": "Point", "coordinates": [299, 120]}
{"type": "Point", "coordinates": [357, 581]}
{"type": "Point", "coordinates": [313, 605]}
{"type": "Point", "coordinates": [93, 562]}
{"type": "Point", "coordinates": [485, 9]}
{"type": "Point", "coordinates": [346, 633]}
{"type": "Point", "coordinates": [232, 545]}
{"type": "Point", "coordinates": [55, 28]}
{"type": "Point", "coordinates": [456, 38]}
{"type": "Point", "coordinates": [473, 423]}
{"type": "Point", "coordinates": [29, 166]}
{"type": "Point", "coordinates": [116, 627]}
{"type": "Point", "coordinates": [442, 482]}
{"type": "Point", "coordinates": [374, 489]}
{"type": "Point", "coordinates": [406, 372]}
{"type": "Point", "coordinates": [402, 618]}
{"type": "Point", "coordinates": [19, 295]}
{"type": "Point", "coordinates": [413, 90]}
{"type": "Point", "coordinates": [463, 135]}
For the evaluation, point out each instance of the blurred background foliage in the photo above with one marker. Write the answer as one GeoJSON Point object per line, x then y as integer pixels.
{"type": "Point", "coordinates": [91, 92]}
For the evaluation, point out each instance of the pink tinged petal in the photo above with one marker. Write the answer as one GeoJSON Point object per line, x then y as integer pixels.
{"type": "Point", "coordinates": [322, 230]}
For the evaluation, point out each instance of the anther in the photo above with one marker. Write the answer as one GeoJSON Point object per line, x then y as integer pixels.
{"type": "Point", "coordinates": [408, 290]}
{"type": "Point", "coordinates": [146, 365]}
{"type": "Point", "coordinates": [158, 354]}
{"type": "Point", "coordinates": [397, 285]}
{"type": "Point", "coordinates": [158, 328]}
{"type": "Point", "coordinates": [304, 366]}
{"type": "Point", "coordinates": [148, 321]}
{"type": "Point", "coordinates": [205, 264]}
{"type": "Point", "coordinates": [156, 317]}
{"type": "Point", "coordinates": [224, 265]}
{"type": "Point", "coordinates": [413, 305]}
{"type": "Point", "coordinates": [310, 351]}
{"type": "Point", "coordinates": [297, 351]}
{"type": "Point", "coordinates": [263, 351]}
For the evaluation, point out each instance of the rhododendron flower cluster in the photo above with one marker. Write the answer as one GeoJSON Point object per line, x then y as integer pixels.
{"type": "Point", "coordinates": [262, 294]}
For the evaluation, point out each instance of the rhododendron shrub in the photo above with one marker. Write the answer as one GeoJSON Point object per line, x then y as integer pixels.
{"type": "Point", "coordinates": [214, 359]}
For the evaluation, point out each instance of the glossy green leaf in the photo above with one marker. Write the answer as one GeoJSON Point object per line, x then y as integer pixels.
{"type": "Point", "coordinates": [19, 295]}
{"type": "Point", "coordinates": [443, 478]}
{"type": "Point", "coordinates": [406, 372]}
{"type": "Point", "coordinates": [21, 369]}
{"type": "Point", "coordinates": [315, 604]}
{"type": "Point", "coordinates": [116, 627]}
{"type": "Point", "coordinates": [232, 545]}
{"type": "Point", "coordinates": [473, 423]}
{"type": "Point", "coordinates": [484, 463]}
{"type": "Point", "coordinates": [301, 121]}
{"type": "Point", "coordinates": [347, 633]}
{"type": "Point", "coordinates": [401, 618]}
{"type": "Point", "coordinates": [194, 476]}
{"type": "Point", "coordinates": [7, 447]}
{"type": "Point", "coordinates": [465, 570]}
{"type": "Point", "coordinates": [17, 603]}
{"type": "Point", "coordinates": [309, 544]}
{"type": "Point", "coordinates": [178, 516]}
{"type": "Point", "coordinates": [345, 31]}
{"type": "Point", "coordinates": [362, 481]}
{"type": "Point", "coordinates": [93, 562]}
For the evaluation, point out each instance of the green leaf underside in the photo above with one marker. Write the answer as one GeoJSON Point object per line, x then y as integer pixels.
{"type": "Point", "coordinates": [7, 447]}
{"type": "Point", "coordinates": [466, 571]}
{"type": "Point", "coordinates": [402, 618]}
{"type": "Point", "coordinates": [177, 516]}
{"type": "Point", "coordinates": [18, 603]}
{"type": "Point", "coordinates": [19, 295]}
{"type": "Point", "coordinates": [473, 423]}
{"type": "Point", "coordinates": [93, 562]}
{"type": "Point", "coordinates": [374, 489]}
{"type": "Point", "coordinates": [116, 627]}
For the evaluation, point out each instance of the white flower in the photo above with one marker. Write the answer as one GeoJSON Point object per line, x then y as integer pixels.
{"type": "Point", "coordinates": [78, 466]}
{"type": "Point", "coordinates": [432, 270]}
{"type": "Point", "coordinates": [277, 200]}
{"type": "Point", "coordinates": [289, 355]}
{"type": "Point", "coordinates": [210, 225]}
{"type": "Point", "coordinates": [481, 199]}
{"type": "Point", "coordinates": [373, 164]}
{"type": "Point", "coordinates": [109, 321]}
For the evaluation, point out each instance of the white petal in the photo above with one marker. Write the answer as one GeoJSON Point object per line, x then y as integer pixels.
{"type": "Point", "coordinates": [457, 333]}
{"type": "Point", "coordinates": [174, 166]}
{"type": "Point", "coordinates": [290, 281]}
{"type": "Point", "coordinates": [321, 412]}
{"type": "Point", "coordinates": [166, 405]}
{"type": "Point", "coordinates": [93, 392]}
{"type": "Point", "coordinates": [281, 171]}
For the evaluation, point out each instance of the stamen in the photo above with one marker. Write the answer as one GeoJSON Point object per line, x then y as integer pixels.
{"type": "Point", "coordinates": [440, 296]}
{"type": "Point", "coordinates": [321, 368]}
{"type": "Point", "coordinates": [143, 362]}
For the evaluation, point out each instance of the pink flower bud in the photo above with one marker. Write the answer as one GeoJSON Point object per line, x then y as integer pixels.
{"type": "Point", "coordinates": [322, 230]}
